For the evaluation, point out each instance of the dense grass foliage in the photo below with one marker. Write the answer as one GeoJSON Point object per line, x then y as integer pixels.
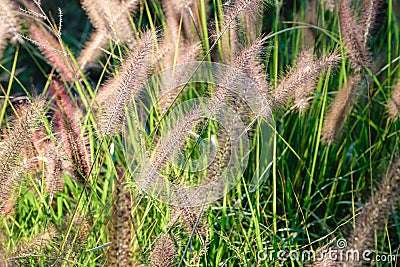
{"type": "Point", "coordinates": [87, 124]}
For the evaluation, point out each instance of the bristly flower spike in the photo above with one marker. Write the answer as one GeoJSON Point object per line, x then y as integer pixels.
{"type": "Point", "coordinates": [12, 168]}
{"type": "Point", "coordinates": [116, 93]}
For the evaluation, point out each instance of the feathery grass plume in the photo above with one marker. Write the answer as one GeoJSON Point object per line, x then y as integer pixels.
{"type": "Point", "coordinates": [170, 42]}
{"type": "Point", "coordinates": [190, 217]}
{"type": "Point", "coordinates": [3, 253]}
{"type": "Point", "coordinates": [246, 65]}
{"type": "Point", "coordinates": [9, 24]}
{"type": "Point", "coordinates": [339, 109]}
{"type": "Point", "coordinates": [12, 169]}
{"type": "Point", "coordinates": [394, 102]}
{"type": "Point", "coordinates": [310, 16]}
{"type": "Point", "coordinates": [249, 62]}
{"type": "Point", "coordinates": [305, 72]}
{"type": "Point", "coordinates": [171, 21]}
{"type": "Point", "coordinates": [224, 144]}
{"type": "Point", "coordinates": [176, 44]}
{"type": "Point", "coordinates": [49, 45]}
{"type": "Point", "coordinates": [53, 171]}
{"type": "Point", "coordinates": [251, 23]}
{"type": "Point", "coordinates": [353, 36]}
{"type": "Point", "coordinates": [164, 253]}
{"type": "Point", "coordinates": [370, 10]}
{"type": "Point", "coordinates": [38, 241]}
{"type": "Point", "coordinates": [192, 20]}
{"type": "Point", "coordinates": [111, 21]}
{"type": "Point", "coordinates": [69, 242]}
{"type": "Point", "coordinates": [163, 54]}
{"type": "Point", "coordinates": [168, 144]}
{"type": "Point", "coordinates": [36, 245]}
{"type": "Point", "coordinates": [223, 94]}
{"type": "Point", "coordinates": [187, 52]}
{"type": "Point", "coordinates": [50, 160]}
{"type": "Point", "coordinates": [330, 5]}
{"type": "Point", "coordinates": [76, 239]}
{"type": "Point", "coordinates": [71, 136]}
{"type": "Point", "coordinates": [82, 228]}
{"type": "Point", "coordinates": [221, 160]}
{"type": "Point", "coordinates": [116, 93]}
{"type": "Point", "coordinates": [180, 10]}
{"type": "Point", "coordinates": [305, 59]}
{"type": "Point", "coordinates": [181, 5]}
{"type": "Point", "coordinates": [9, 186]}
{"type": "Point", "coordinates": [120, 250]}
{"type": "Point", "coordinates": [3, 39]}
{"type": "Point", "coordinates": [93, 48]}
{"type": "Point", "coordinates": [239, 8]}
{"type": "Point", "coordinates": [113, 16]}
{"type": "Point", "coordinates": [375, 212]}
{"type": "Point", "coordinates": [173, 53]}
{"type": "Point", "coordinates": [249, 9]}
{"type": "Point", "coordinates": [96, 13]}
{"type": "Point", "coordinates": [73, 145]}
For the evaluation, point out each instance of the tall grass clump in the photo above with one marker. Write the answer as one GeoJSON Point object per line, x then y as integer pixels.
{"type": "Point", "coordinates": [102, 164]}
